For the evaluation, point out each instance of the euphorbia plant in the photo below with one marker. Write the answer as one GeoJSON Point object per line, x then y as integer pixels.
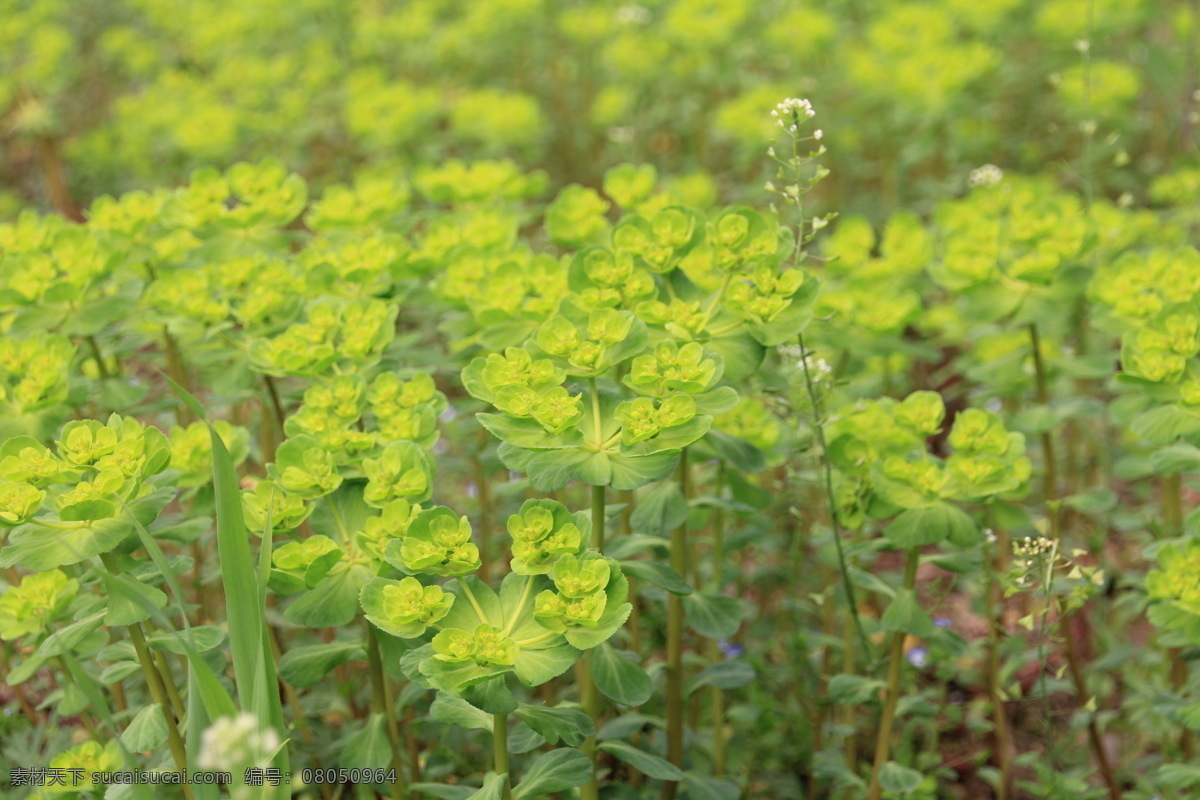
{"type": "Point", "coordinates": [560, 599]}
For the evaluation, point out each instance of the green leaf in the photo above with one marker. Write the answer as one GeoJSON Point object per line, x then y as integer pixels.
{"type": "Point", "coordinates": [306, 666]}
{"type": "Point", "coordinates": [492, 789]}
{"type": "Point", "coordinates": [671, 439]}
{"type": "Point", "coordinates": [442, 791]}
{"type": "Point", "coordinates": [659, 510]}
{"type": "Point", "coordinates": [847, 690]}
{"type": "Point", "coordinates": [535, 666]}
{"type": "Point", "coordinates": [633, 472]}
{"type": "Point", "coordinates": [658, 574]}
{"type": "Point", "coordinates": [905, 615]}
{"type": "Point", "coordinates": [526, 433]}
{"type": "Point", "coordinates": [455, 678]}
{"type": "Point", "coordinates": [962, 562]}
{"type": "Point", "coordinates": [651, 765]}
{"type": "Point", "coordinates": [631, 545]}
{"type": "Point", "coordinates": [342, 514]}
{"type": "Point", "coordinates": [451, 710]}
{"type": "Point", "coordinates": [738, 452]}
{"type": "Point", "coordinates": [146, 731]}
{"type": "Point", "coordinates": [492, 696]}
{"type": "Point", "coordinates": [39, 549]}
{"type": "Point", "coordinates": [702, 787]}
{"type": "Point", "coordinates": [732, 674]}
{"type": "Point", "coordinates": [122, 609]}
{"type": "Point", "coordinates": [65, 639]}
{"type": "Point", "coordinates": [618, 678]}
{"type": "Point", "coordinates": [369, 748]}
{"type": "Point", "coordinates": [548, 471]}
{"type": "Point", "coordinates": [713, 615]}
{"type": "Point", "coordinates": [899, 779]}
{"type": "Point", "coordinates": [202, 639]}
{"type": "Point", "coordinates": [1093, 501]}
{"type": "Point", "coordinates": [253, 662]}
{"type": "Point", "coordinates": [627, 725]}
{"type": "Point", "coordinates": [1175, 459]}
{"type": "Point", "coordinates": [474, 597]}
{"type": "Point", "coordinates": [523, 739]}
{"type": "Point", "coordinates": [1165, 424]}
{"type": "Point", "coordinates": [558, 724]}
{"type": "Point", "coordinates": [331, 603]}
{"type": "Point", "coordinates": [556, 771]}
{"type": "Point", "coordinates": [931, 525]}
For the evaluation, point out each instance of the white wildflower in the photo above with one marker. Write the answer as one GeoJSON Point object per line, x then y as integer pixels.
{"type": "Point", "coordinates": [621, 134]}
{"type": "Point", "coordinates": [790, 352]}
{"type": "Point", "coordinates": [987, 175]}
{"type": "Point", "coordinates": [790, 110]}
{"type": "Point", "coordinates": [818, 134]}
{"type": "Point", "coordinates": [817, 367]}
{"type": "Point", "coordinates": [234, 742]}
{"type": "Point", "coordinates": [632, 14]}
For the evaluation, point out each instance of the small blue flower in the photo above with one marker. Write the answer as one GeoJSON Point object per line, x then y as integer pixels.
{"type": "Point", "coordinates": [942, 622]}
{"type": "Point", "coordinates": [729, 649]}
{"type": "Point", "coordinates": [919, 657]}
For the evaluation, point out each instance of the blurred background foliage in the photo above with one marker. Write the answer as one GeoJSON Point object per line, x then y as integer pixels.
{"type": "Point", "coordinates": [104, 96]}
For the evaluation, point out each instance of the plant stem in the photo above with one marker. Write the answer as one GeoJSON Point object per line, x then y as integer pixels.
{"type": "Point", "coordinates": [154, 684]}
{"type": "Point", "coordinates": [164, 668]}
{"type": "Point", "coordinates": [588, 697]}
{"type": "Point", "coordinates": [1003, 747]}
{"type": "Point", "coordinates": [98, 357]}
{"type": "Point", "coordinates": [675, 640]}
{"type": "Point", "coordinates": [383, 705]}
{"type": "Point", "coordinates": [276, 403]}
{"type": "Point", "coordinates": [159, 695]}
{"type": "Point", "coordinates": [84, 717]}
{"type": "Point", "coordinates": [819, 429]}
{"type": "Point", "coordinates": [500, 751]}
{"type": "Point", "coordinates": [718, 570]}
{"type": "Point", "coordinates": [1172, 504]}
{"type": "Point", "coordinates": [1071, 645]}
{"type": "Point", "coordinates": [410, 740]}
{"type": "Point", "coordinates": [598, 518]}
{"type": "Point", "coordinates": [883, 738]}
{"type": "Point", "coordinates": [485, 510]}
{"type": "Point", "coordinates": [178, 373]}
{"type": "Point", "coordinates": [27, 708]}
{"type": "Point", "coordinates": [635, 617]}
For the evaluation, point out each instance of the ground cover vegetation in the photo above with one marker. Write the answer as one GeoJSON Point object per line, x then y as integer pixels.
{"type": "Point", "coordinates": [694, 399]}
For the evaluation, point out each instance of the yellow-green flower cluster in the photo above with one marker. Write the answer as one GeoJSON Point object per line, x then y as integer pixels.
{"type": "Point", "coordinates": [405, 607]}
{"type": "Point", "coordinates": [673, 368]}
{"type": "Point", "coordinates": [34, 373]}
{"type": "Point", "coordinates": [269, 504]}
{"type": "Point", "coordinates": [1176, 582]}
{"type": "Point", "coordinates": [580, 598]}
{"type": "Point", "coordinates": [485, 646]}
{"type": "Point", "coordinates": [402, 471]}
{"type": "Point", "coordinates": [438, 542]}
{"type": "Point", "coordinates": [644, 418]}
{"type": "Point", "coordinates": [352, 333]}
{"type": "Point", "coordinates": [542, 531]}
{"type": "Point", "coordinates": [28, 606]}
{"type": "Point", "coordinates": [191, 450]}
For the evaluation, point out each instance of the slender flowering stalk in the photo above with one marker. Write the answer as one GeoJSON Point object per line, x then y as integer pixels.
{"type": "Point", "coordinates": [675, 639]}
